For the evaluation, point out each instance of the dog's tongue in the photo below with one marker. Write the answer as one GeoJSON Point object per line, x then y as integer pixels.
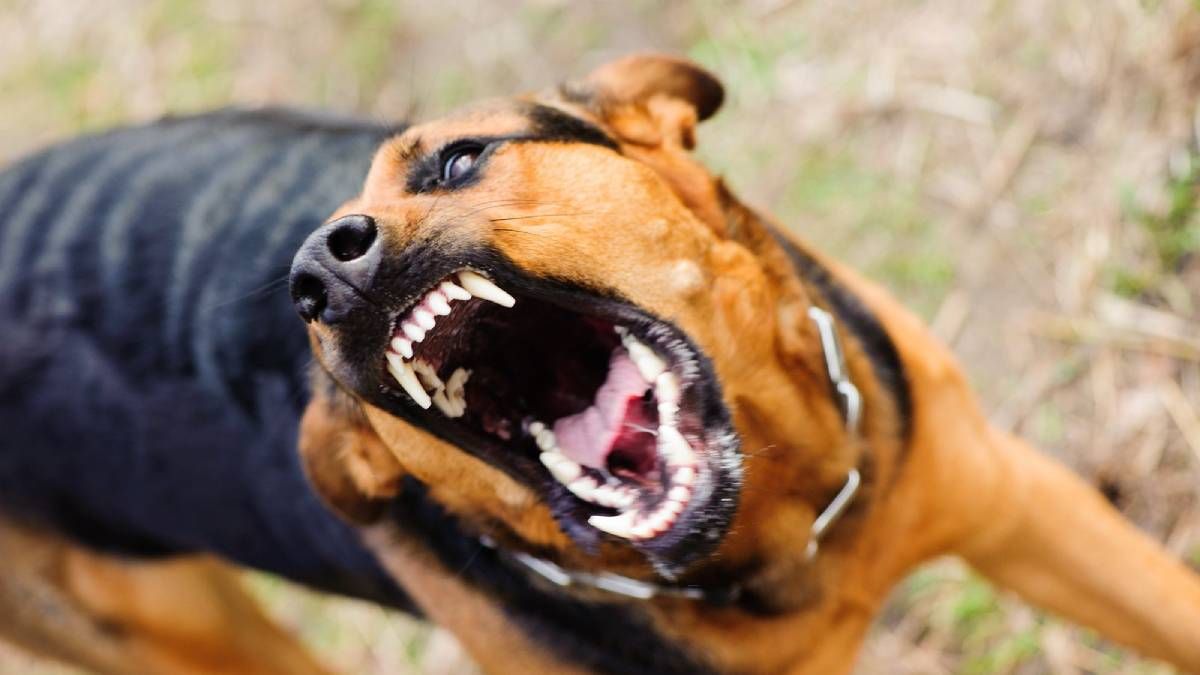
{"type": "Point", "coordinates": [587, 437]}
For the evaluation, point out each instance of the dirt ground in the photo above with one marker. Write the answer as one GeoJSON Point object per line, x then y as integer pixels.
{"type": "Point", "coordinates": [1021, 172]}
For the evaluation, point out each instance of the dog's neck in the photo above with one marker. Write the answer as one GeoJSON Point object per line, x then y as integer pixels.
{"type": "Point", "coordinates": [801, 281]}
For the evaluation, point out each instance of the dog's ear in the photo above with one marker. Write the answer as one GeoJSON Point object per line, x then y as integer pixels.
{"type": "Point", "coordinates": [651, 99]}
{"type": "Point", "coordinates": [343, 457]}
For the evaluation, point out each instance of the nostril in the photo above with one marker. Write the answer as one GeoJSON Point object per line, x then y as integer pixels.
{"type": "Point", "coordinates": [308, 292]}
{"type": "Point", "coordinates": [351, 237]}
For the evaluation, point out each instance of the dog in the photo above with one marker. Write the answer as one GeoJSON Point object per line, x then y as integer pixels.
{"type": "Point", "coordinates": [567, 395]}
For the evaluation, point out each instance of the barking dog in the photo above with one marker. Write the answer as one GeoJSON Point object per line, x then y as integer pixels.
{"type": "Point", "coordinates": [587, 409]}
{"type": "Point", "coordinates": [709, 447]}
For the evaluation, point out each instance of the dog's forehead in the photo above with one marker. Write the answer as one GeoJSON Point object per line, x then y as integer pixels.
{"type": "Point", "coordinates": [525, 117]}
{"type": "Point", "coordinates": [493, 117]}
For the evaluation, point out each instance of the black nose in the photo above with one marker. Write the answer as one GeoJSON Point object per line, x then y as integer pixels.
{"type": "Point", "coordinates": [334, 267]}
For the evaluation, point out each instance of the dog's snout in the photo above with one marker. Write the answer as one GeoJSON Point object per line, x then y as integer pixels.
{"type": "Point", "coordinates": [334, 267]}
{"type": "Point", "coordinates": [351, 237]}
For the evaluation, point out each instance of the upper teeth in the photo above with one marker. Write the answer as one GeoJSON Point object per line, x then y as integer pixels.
{"type": "Point", "coordinates": [404, 374]}
{"type": "Point", "coordinates": [413, 331]}
{"type": "Point", "coordinates": [449, 396]}
{"type": "Point", "coordinates": [403, 346]}
{"type": "Point", "coordinates": [481, 287]}
{"type": "Point", "coordinates": [423, 317]}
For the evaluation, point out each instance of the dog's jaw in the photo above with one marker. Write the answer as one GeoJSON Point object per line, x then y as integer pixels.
{"type": "Point", "coordinates": [610, 414]}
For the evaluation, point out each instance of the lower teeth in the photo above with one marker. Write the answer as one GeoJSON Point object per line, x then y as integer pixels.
{"type": "Point", "coordinates": [630, 522]}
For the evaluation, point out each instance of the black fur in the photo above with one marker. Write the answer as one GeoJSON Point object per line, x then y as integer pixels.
{"type": "Point", "coordinates": [615, 638]}
{"type": "Point", "coordinates": [548, 125]}
{"type": "Point", "coordinates": [552, 124]}
{"type": "Point", "coordinates": [151, 366]}
{"type": "Point", "coordinates": [875, 341]}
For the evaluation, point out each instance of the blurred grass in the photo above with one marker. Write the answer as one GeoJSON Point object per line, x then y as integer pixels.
{"type": "Point", "coordinates": [888, 133]}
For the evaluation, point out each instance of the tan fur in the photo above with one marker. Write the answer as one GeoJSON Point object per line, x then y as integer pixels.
{"type": "Point", "coordinates": [653, 225]}
{"type": "Point", "coordinates": [482, 627]}
{"type": "Point", "coordinates": [184, 616]}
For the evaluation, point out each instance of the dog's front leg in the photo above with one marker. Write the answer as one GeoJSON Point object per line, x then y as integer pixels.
{"type": "Point", "coordinates": [1057, 542]}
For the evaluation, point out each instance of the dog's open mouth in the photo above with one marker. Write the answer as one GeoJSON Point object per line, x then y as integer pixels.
{"type": "Point", "coordinates": [612, 413]}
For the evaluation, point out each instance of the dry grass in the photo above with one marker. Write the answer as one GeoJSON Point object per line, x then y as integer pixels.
{"type": "Point", "coordinates": [1020, 172]}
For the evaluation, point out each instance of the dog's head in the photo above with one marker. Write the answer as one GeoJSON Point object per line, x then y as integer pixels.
{"type": "Point", "coordinates": [551, 314]}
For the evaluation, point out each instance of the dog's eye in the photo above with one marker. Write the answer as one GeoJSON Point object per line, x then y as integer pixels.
{"type": "Point", "coordinates": [459, 162]}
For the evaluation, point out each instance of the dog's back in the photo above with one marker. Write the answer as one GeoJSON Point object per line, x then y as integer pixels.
{"type": "Point", "coordinates": [152, 370]}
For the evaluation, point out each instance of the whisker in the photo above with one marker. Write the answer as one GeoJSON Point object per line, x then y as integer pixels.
{"type": "Point", "coordinates": [261, 290]}
{"type": "Point", "coordinates": [460, 212]}
{"type": "Point", "coordinates": [511, 201]}
{"type": "Point", "coordinates": [762, 451]}
{"type": "Point", "coordinates": [541, 215]}
{"type": "Point", "coordinates": [425, 218]}
{"type": "Point", "coordinates": [502, 203]}
{"type": "Point", "coordinates": [515, 231]}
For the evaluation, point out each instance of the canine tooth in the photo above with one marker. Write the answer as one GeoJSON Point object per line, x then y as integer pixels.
{"type": "Point", "coordinates": [618, 525]}
{"type": "Point", "coordinates": [413, 331]}
{"type": "Point", "coordinates": [404, 374]}
{"type": "Point", "coordinates": [583, 488]}
{"type": "Point", "coordinates": [424, 318]}
{"type": "Point", "coordinates": [562, 468]}
{"type": "Point", "coordinates": [454, 291]}
{"type": "Point", "coordinates": [437, 303]}
{"type": "Point", "coordinates": [679, 494]}
{"type": "Point", "coordinates": [684, 475]}
{"type": "Point", "coordinates": [673, 507]}
{"type": "Point", "coordinates": [648, 363]}
{"type": "Point", "coordinates": [482, 287]}
{"type": "Point", "coordinates": [403, 347]}
{"type": "Point", "coordinates": [666, 388]}
{"type": "Point", "coordinates": [674, 446]}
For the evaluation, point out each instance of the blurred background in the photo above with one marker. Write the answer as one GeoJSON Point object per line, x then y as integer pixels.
{"type": "Point", "coordinates": [1021, 173]}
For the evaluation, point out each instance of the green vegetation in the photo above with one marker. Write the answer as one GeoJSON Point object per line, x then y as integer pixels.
{"type": "Point", "coordinates": [1170, 233]}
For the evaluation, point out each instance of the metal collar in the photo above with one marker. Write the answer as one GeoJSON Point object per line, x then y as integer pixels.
{"type": "Point", "coordinates": [850, 404]}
